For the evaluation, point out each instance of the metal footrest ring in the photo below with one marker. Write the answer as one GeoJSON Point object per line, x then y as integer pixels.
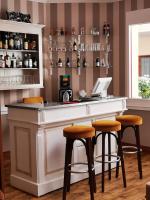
{"type": "Point", "coordinates": [109, 161]}
{"type": "Point", "coordinates": [79, 172]}
{"type": "Point", "coordinates": [130, 149]}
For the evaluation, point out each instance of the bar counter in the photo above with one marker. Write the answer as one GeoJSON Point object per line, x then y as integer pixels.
{"type": "Point", "coordinates": [38, 145]}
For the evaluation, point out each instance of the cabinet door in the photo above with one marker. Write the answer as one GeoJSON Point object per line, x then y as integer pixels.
{"type": "Point", "coordinates": [54, 152]}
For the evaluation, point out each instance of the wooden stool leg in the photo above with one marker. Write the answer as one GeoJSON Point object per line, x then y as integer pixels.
{"type": "Point", "coordinates": [103, 160]}
{"type": "Point", "coordinates": [137, 136]}
{"type": "Point", "coordinates": [117, 164]}
{"type": "Point", "coordinates": [89, 153]}
{"type": "Point", "coordinates": [109, 156]}
{"type": "Point", "coordinates": [69, 145]}
{"type": "Point", "coordinates": [121, 158]}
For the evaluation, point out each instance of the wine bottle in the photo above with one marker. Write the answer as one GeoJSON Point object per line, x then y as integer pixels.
{"type": "Point", "coordinates": [26, 63]}
{"type": "Point", "coordinates": [26, 42]}
{"type": "Point", "coordinates": [59, 63]}
{"type": "Point", "coordinates": [30, 61]}
{"type": "Point", "coordinates": [11, 41]}
{"type": "Point", "coordinates": [84, 64]}
{"type": "Point", "coordinates": [6, 41]}
{"type": "Point", "coordinates": [75, 46]}
{"type": "Point", "coordinates": [17, 41]}
{"type": "Point", "coordinates": [78, 62]}
{"type": "Point", "coordinates": [13, 61]}
{"type": "Point", "coordinates": [1, 42]}
{"type": "Point", "coordinates": [2, 62]}
{"type": "Point", "coordinates": [7, 60]}
{"type": "Point", "coordinates": [68, 63]}
{"type": "Point", "coordinates": [97, 62]}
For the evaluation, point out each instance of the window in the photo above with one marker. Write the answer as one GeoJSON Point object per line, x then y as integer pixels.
{"type": "Point", "coordinates": [137, 60]}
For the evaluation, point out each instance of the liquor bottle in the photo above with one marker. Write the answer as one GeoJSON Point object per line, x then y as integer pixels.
{"type": "Point", "coordinates": [26, 42]}
{"type": "Point", "coordinates": [11, 41]}
{"type": "Point", "coordinates": [59, 64]}
{"type": "Point", "coordinates": [19, 62]}
{"type": "Point", "coordinates": [33, 44]}
{"type": "Point", "coordinates": [68, 63]}
{"type": "Point", "coordinates": [21, 41]}
{"type": "Point", "coordinates": [26, 62]}
{"type": "Point", "coordinates": [30, 61]}
{"type": "Point", "coordinates": [78, 62]}
{"type": "Point", "coordinates": [1, 42]}
{"type": "Point", "coordinates": [97, 62]}
{"type": "Point", "coordinates": [35, 63]}
{"type": "Point", "coordinates": [84, 64]}
{"type": "Point", "coordinates": [13, 61]}
{"type": "Point", "coordinates": [75, 46]}
{"type": "Point", "coordinates": [7, 60]}
{"type": "Point", "coordinates": [17, 41]}
{"type": "Point", "coordinates": [6, 41]}
{"type": "Point", "coordinates": [2, 62]}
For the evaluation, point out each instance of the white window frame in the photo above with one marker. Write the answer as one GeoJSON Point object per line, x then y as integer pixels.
{"type": "Point", "coordinates": [134, 18]}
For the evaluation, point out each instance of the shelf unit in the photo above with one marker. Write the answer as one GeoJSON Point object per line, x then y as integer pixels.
{"type": "Point", "coordinates": [61, 46]}
{"type": "Point", "coordinates": [22, 77]}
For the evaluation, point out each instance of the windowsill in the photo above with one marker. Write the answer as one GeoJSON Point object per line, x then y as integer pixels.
{"type": "Point", "coordinates": [138, 104]}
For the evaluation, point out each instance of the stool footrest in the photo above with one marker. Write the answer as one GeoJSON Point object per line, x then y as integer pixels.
{"type": "Point", "coordinates": [79, 172]}
{"type": "Point", "coordinates": [109, 161]}
{"type": "Point", "coordinates": [130, 149]}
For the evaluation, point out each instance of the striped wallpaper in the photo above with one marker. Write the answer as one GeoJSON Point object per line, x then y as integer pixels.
{"type": "Point", "coordinates": [76, 15]}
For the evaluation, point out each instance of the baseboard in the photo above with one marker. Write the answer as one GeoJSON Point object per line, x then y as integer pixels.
{"type": "Point", "coordinates": [144, 148]}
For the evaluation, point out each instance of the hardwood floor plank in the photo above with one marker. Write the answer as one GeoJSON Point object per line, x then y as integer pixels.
{"type": "Point", "coordinates": [114, 189]}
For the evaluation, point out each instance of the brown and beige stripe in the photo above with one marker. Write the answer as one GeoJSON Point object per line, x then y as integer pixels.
{"type": "Point", "coordinates": [76, 15]}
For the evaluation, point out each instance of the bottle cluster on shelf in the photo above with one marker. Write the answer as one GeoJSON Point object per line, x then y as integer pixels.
{"type": "Point", "coordinates": [17, 41]}
{"type": "Point", "coordinates": [17, 61]}
{"type": "Point", "coordinates": [95, 31]}
{"type": "Point", "coordinates": [77, 63]}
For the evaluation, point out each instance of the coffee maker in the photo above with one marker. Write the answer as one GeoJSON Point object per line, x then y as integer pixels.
{"type": "Point", "coordinates": [65, 91]}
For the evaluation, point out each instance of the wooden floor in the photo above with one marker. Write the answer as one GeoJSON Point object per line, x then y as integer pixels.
{"type": "Point", "coordinates": [80, 191]}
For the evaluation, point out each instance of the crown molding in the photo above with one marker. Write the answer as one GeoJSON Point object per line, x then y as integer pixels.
{"type": "Point", "coordinates": [75, 1]}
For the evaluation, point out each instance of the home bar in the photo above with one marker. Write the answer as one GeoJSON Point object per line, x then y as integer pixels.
{"type": "Point", "coordinates": [75, 98]}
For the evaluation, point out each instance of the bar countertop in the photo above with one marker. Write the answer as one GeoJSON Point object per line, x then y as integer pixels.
{"type": "Point", "coordinates": [54, 105]}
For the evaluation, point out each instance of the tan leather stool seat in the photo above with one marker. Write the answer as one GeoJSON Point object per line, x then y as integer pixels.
{"type": "Point", "coordinates": [106, 125]}
{"type": "Point", "coordinates": [33, 100]}
{"type": "Point", "coordinates": [76, 131]}
{"type": "Point", "coordinates": [127, 120]}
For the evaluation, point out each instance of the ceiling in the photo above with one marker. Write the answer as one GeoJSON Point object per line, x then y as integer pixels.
{"type": "Point", "coordinates": [74, 1]}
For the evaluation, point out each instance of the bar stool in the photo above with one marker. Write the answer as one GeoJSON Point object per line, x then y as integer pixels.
{"type": "Point", "coordinates": [133, 121]}
{"type": "Point", "coordinates": [84, 134]}
{"type": "Point", "coordinates": [106, 127]}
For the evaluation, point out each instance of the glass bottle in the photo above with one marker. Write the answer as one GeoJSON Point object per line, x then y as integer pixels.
{"type": "Point", "coordinates": [1, 42]}
{"type": "Point", "coordinates": [6, 41]}
{"type": "Point", "coordinates": [68, 63]}
{"type": "Point", "coordinates": [84, 63]}
{"type": "Point", "coordinates": [7, 60]}
{"type": "Point", "coordinates": [75, 46]}
{"type": "Point", "coordinates": [59, 64]}
{"type": "Point", "coordinates": [17, 41]}
{"type": "Point", "coordinates": [11, 41]}
{"type": "Point", "coordinates": [97, 62]}
{"type": "Point", "coordinates": [13, 61]}
{"type": "Point", "coordinates": [78, 62]}
{"type": "Point", "coordinates": [26, 42]}
{"type": "Point", "coordinates": [2, 62]}
{"type": "Point", "coordinates": [35, 63]}
{"type": "Point", "coordinates": [19, 62]}
{"type": "Point", "coordinates": [26, 62]}
{"type": "Point", "coordinates": [30, 61]}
